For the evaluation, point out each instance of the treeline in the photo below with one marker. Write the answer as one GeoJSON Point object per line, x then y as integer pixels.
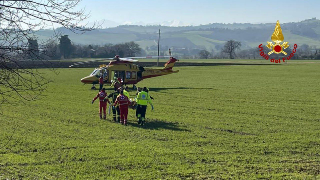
{"type": "Point", "coordinates": [65, 49]}
{"type": "Point", "coordinates": [302, 52]}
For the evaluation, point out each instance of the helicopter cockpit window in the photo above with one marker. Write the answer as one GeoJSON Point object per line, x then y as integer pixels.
{"type": "Point", "coordinates": [133, 75]}
{"type": "Point", "coordinates": [95, 72]}
{"type": "Point", "coordinates": [128, 75]}
{"type": "Point", "coordinates": [105, 74]}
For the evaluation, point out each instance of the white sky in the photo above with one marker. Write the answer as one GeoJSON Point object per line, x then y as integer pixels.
{"type": "Point", "coordinates": [202, 11]}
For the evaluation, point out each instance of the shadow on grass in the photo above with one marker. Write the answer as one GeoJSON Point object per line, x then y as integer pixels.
{"type": "Point", "coordinates": [157, 89]}
{"type": "Point", "coordinates": [170, 88]}
{"type": "Point", "coordinates": [108, 88]}
{"type": "Point", "coordinates": [225, 64]}
{"type": "Point", "coordinates": [157, 125]}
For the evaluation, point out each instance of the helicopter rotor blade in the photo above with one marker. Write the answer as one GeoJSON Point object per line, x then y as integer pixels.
{"type": "Point", "coordinates": [87, 62]}
{"type": "Point", "coordinates": [130, 59]}
{"type": "Point", "coordinates": [149, 57]}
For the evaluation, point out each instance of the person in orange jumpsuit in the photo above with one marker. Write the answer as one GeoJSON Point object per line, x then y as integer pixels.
{"type": "Point", "coordinates": [103, 102]}
{"type": "Point", "coordinates": [123, 102]}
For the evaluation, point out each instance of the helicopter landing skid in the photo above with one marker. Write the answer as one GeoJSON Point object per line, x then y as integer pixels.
{"type": "Point", "coordinates": [93, 87]}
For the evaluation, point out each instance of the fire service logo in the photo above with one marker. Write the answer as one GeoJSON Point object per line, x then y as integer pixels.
{"type": "Point", "coordinates": [278, 47]}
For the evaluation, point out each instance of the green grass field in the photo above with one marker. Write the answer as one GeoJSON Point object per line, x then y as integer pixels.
{"type": "Point", "coordinates": [217, 122]}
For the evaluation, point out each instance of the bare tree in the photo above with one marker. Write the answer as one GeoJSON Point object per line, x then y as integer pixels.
{"type": "Point", "coordinates": [204, 54]}
{"type": "Point", "coordinates": [230, 47]}
{"type": "Point", "coordinates": [132, 48]}
{"type": "Point", "coordinates": [19, 19]}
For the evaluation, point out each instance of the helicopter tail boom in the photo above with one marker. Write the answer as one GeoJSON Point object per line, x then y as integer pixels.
{"type": "Point", "coordinates": [169, 65]}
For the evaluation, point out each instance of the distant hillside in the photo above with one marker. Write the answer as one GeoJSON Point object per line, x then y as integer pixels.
{"type": "Point", "coordinates": [210, 36]}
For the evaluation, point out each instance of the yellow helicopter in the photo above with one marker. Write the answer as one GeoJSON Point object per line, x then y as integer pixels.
{"type": "Point", "coordinates": [123, 70]}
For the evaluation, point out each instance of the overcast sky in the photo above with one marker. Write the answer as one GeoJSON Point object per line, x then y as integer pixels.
{"type": "Point", "coordinates": [202, 11]}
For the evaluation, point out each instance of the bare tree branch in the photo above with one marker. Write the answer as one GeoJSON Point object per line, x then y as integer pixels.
{"type": "Point", "coordinates": [19, 20]}
{"type": "Point", "coordinates": [230, 47]}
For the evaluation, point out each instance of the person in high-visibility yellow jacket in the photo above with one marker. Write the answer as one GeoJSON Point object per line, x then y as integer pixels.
{"type": "Point", "coordinates": [142, 100]}
{"type": "Point", "coordinates": [125, 92]}
{"type": "Point", "coordinates": [115, 109]}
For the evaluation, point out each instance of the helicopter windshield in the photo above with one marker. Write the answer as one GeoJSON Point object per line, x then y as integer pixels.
{"type": "Point", "coordinates": [95, 72]}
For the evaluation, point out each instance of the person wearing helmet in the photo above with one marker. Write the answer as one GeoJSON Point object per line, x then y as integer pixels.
{"type": "Point", "coordinates": [103, 102]}
{"type": "Point", "coordinates": [142, 100]}
{"type": "Point", "coordinates": [101, 82]}
{"type": "Point", "coordinates": [115, 82]}
{"type": "Point", "coordinates": [117, 58]}
{"type": "Point", "coordinates": [123, 102]}
{"type": "Point", "coordinates": [115, 109]}
{"type": "Point", "coordinates": [139, 89]}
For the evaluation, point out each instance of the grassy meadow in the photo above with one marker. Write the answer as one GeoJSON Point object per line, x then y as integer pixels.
{"type": "Point", "coordinates": [215, 122]}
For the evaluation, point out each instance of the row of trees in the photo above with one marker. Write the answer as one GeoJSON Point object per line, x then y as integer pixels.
{"type": "Point", "coordinates": [303, 52]}
{"type": "Point", "coordinates": [66, 50]}
{"type": "Point", "coordinates": [231, 47]}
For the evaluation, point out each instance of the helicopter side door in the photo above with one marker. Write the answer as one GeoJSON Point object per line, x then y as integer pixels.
{"type": "Point", "coordinates": [105, 75]}
{"type": "Point", "coordinates": [118, 74]}
{"type": "Point", "coordinates": [131, 76]}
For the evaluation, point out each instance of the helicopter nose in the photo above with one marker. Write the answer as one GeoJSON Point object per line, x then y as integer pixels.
{"type": "Point", "coordinates": [86, 80]}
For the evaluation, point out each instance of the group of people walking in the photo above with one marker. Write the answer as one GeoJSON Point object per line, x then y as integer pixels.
{"type": "Point", "coordinates": [120, 102]}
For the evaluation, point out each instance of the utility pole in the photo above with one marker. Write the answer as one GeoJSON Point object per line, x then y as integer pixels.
{"type": "Point", "coordinates": [1, 12]}
{"type": "Point", "coordinates": [158, 48]}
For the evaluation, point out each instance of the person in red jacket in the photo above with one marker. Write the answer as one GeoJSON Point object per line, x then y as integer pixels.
{"type": "Point", "coordinates": [123, 102]}
{"type": "Point", "coordinates": [103, 102]}
{"type": "Point", "coordinates": [101, 82]}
